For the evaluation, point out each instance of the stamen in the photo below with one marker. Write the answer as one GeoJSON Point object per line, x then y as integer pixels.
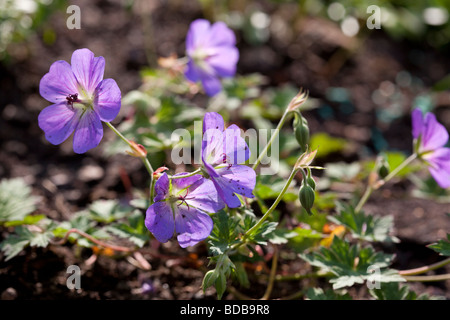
{"type": "Point", "coordinates": [71, 98]}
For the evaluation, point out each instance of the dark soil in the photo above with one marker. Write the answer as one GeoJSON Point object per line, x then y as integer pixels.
{"type": "Point", "coordinates": [315, 56]}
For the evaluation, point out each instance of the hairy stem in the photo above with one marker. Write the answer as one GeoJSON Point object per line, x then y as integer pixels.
{"type": "Point", "coordinates": [375, 186]}
{"type": "Point", "coordinates": [394, 172]}
{"type": "Point", "coordinates": [273, 207]}
{"type": "Point", "coordinates": [438, 277]}
{"type": "Point", "coordinates": [364, 198]}
{"type": "Point", "coordinates": [144, 159]}
{"type": "Point", "coordinates": [273, 272]}
{"type": "Point", "coordinates": [272, 139]}
{"type": "Point", "coordinates": [193, 173]}
{"type": "Point", "coordinates": [416, 271]}
{"type": "Point", "coordinates": [92, 239]}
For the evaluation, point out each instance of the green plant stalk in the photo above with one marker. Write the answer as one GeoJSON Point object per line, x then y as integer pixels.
{"type": "Point", "coordinates": [193, 173]}
{"type": "Point", "coordinates": [438, 277]}
{"type": "Point", "coordinates": [92, 239]}
{"type": "Point", "coordinates": [145, 160]}
{"type": "Point", "coordinates": [416, 271]}
{"type": "Point", "coordinates": [273, 272]}
{"type": "Point", "coordinates": [301, 276]}
{"type": "Point", "coordinates": [364, 198]}
{"type": "Point", "coordinates": [394, 172]}
{"type": "Point", "coordinates": [380, 183]}
{"type": "Point", "coordinates": [273, 207]}
{"type": "Point", "coordinates": [272, 138]}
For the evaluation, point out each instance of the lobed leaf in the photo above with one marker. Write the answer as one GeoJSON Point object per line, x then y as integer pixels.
{"type": "Point", "coordinates": [21, 238]}
{"type": "Point", "coordinates": [442, 246]}
{"type": "Point", "coordinates": [351, 264]}
{"type": "Point", "coordinates": [362, 226]}
{"type": "Point", "coordinates": [16, 200]}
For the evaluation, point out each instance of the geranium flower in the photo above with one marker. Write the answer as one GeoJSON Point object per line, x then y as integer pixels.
{"type": "Point", "coordinates": [223, 150]}
{"type": "Point", "coordinates": [212, 54]}
{"type": "Point", "coordinates": [430, 138]}
{"type": "Point", "coordinates": [82, 99]}
{"type": "Point", "coordinates": [181, 206]}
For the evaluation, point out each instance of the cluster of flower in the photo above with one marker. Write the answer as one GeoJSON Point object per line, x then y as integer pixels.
{"type": "Point", "coordinates": [82, 100]}
{"type": "Point", "coordinates": [183, 203]}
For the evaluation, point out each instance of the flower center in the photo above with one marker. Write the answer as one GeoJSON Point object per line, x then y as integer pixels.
{"type": "Point", "coordinates": [79, 101]}
{"type": "Point", "coordinates": [200, 57]}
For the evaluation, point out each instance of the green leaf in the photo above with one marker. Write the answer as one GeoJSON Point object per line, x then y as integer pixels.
{"type": "Point", "coordinates": [442, 84]}
{"type": "Point", "coordinates": [221, 285]}
{"type": "Point", "coordinates": [16, 201]}
{"type": "Point", "coordinates": [303, 239]}
{"type": "Point", "coordinates": [28, 220]}
{"type": "Point", "coordinates": [352, 264]}
{"type": "Point", "coordinates": [281, 236]}
{"type": "Point", "coordinates": [395, 291]}
{"type": "Point", "coordinates": [362, 226]}
{"type": "Point", "coordinates": [224, 233]}
{"type": "Point", "coordinates": [428, 188]}
{"type": "Point", "coordinates": [342, 171]}
{"type": "Point", "coordinates": [241, 274]}
{"type": "Point", "coordinates": [107, 211]}
{"type": "Point", "coordinates": [21, 238]}
{"type": "Point", "coordinates": [269, 187]}
{"type": "Point", "coordinates": [83, 222]}
{"type": "Point", "coordinates": [319, 294]}
{"type": "Point", "coordinates": [134, 230]}
{"type": "Point", "coordinates": [326, 144]}
{"type": "Point", "coordinates": [209, 279]}
{"type": "Point", "coordinates": [262, 234]}
{"type": "Point", "coordinates": [218, 277]}
{"type": "Point", "coordinates": [442, 246]}
{"type": "Point", "coordinates": [394, 159]}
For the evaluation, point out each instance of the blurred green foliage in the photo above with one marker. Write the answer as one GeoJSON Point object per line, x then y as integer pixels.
{"type": "Point", "coordinates": [19, 19]}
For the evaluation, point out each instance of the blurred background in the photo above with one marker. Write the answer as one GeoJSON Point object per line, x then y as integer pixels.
{"type": "Point", "coordinates": [362, 82]}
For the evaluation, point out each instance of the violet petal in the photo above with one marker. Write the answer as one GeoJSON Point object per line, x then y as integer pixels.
{"type": "Point", "coordinates": [159, 221]}
{"type": "Point", "coordinates": [58, 122]}
{"type": "Point", "coordinates": [88, 133]}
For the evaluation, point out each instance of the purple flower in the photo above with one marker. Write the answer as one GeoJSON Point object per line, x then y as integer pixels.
{"type": "Point", "coordinates": [431, 137]}
{"type": "Point", "coordinates": [212, 54]}
{"type": "Point", "coordinates": [222, 152]}
{"type": "Point", "coordinates": [182, 206]}
{"type": "Point", "coordinates": [82, 99]}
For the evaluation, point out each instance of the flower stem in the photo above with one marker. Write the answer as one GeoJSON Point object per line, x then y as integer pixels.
{"type": "Point", "coordinates": [92, 239]}
{"type": "Point", "coordinates": [416, 271]}
{"type": "Point", "coordinates": [144, 159]}
{"type": "Point", "coordinates": [193, 173]}
{"type": "Point", "coordinates": [148, 166]}
{"type": "Point", "coordinates": [438, 277]}
{"type": "Point", "coordinates": [394, 172]}
{"type": "Point", "coordinates": [274, 205]}
{"type": "Point", "coordinates": [375, 186]}
{"type": "Point", "coordinates": [273, 272]}
{"type": "Point", "coordinates": [121, 136]}
{"type": "Point", "coordinates": [364, 198]}
{"type": "Point", "coordinates": [272, 139]}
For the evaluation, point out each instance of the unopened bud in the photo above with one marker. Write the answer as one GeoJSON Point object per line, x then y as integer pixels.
{"type": "Point", "coordinates": [301, 130]}
{"type": "Point", "coordinates": [137, 150]}
{"type": "Point", "coordinates": [307, 197]}
{"type": "Point", "coordinates": [383, 167]}
{"type": "Point", "coordinates": [158, 172]}
{"type": "Point", "coordinates": [298, 100]}
{"type": "Point", "coordinates": [310, 180]}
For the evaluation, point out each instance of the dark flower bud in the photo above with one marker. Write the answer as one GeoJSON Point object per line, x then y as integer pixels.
{"type": "Point", "coordinates": [301, 131]}
{"type": "Point", "coordinates": [383, 167]}
{"type": "Point", "coordinates": [310, 180]}
{"type": "Point", "coordinates": [307, 197]}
